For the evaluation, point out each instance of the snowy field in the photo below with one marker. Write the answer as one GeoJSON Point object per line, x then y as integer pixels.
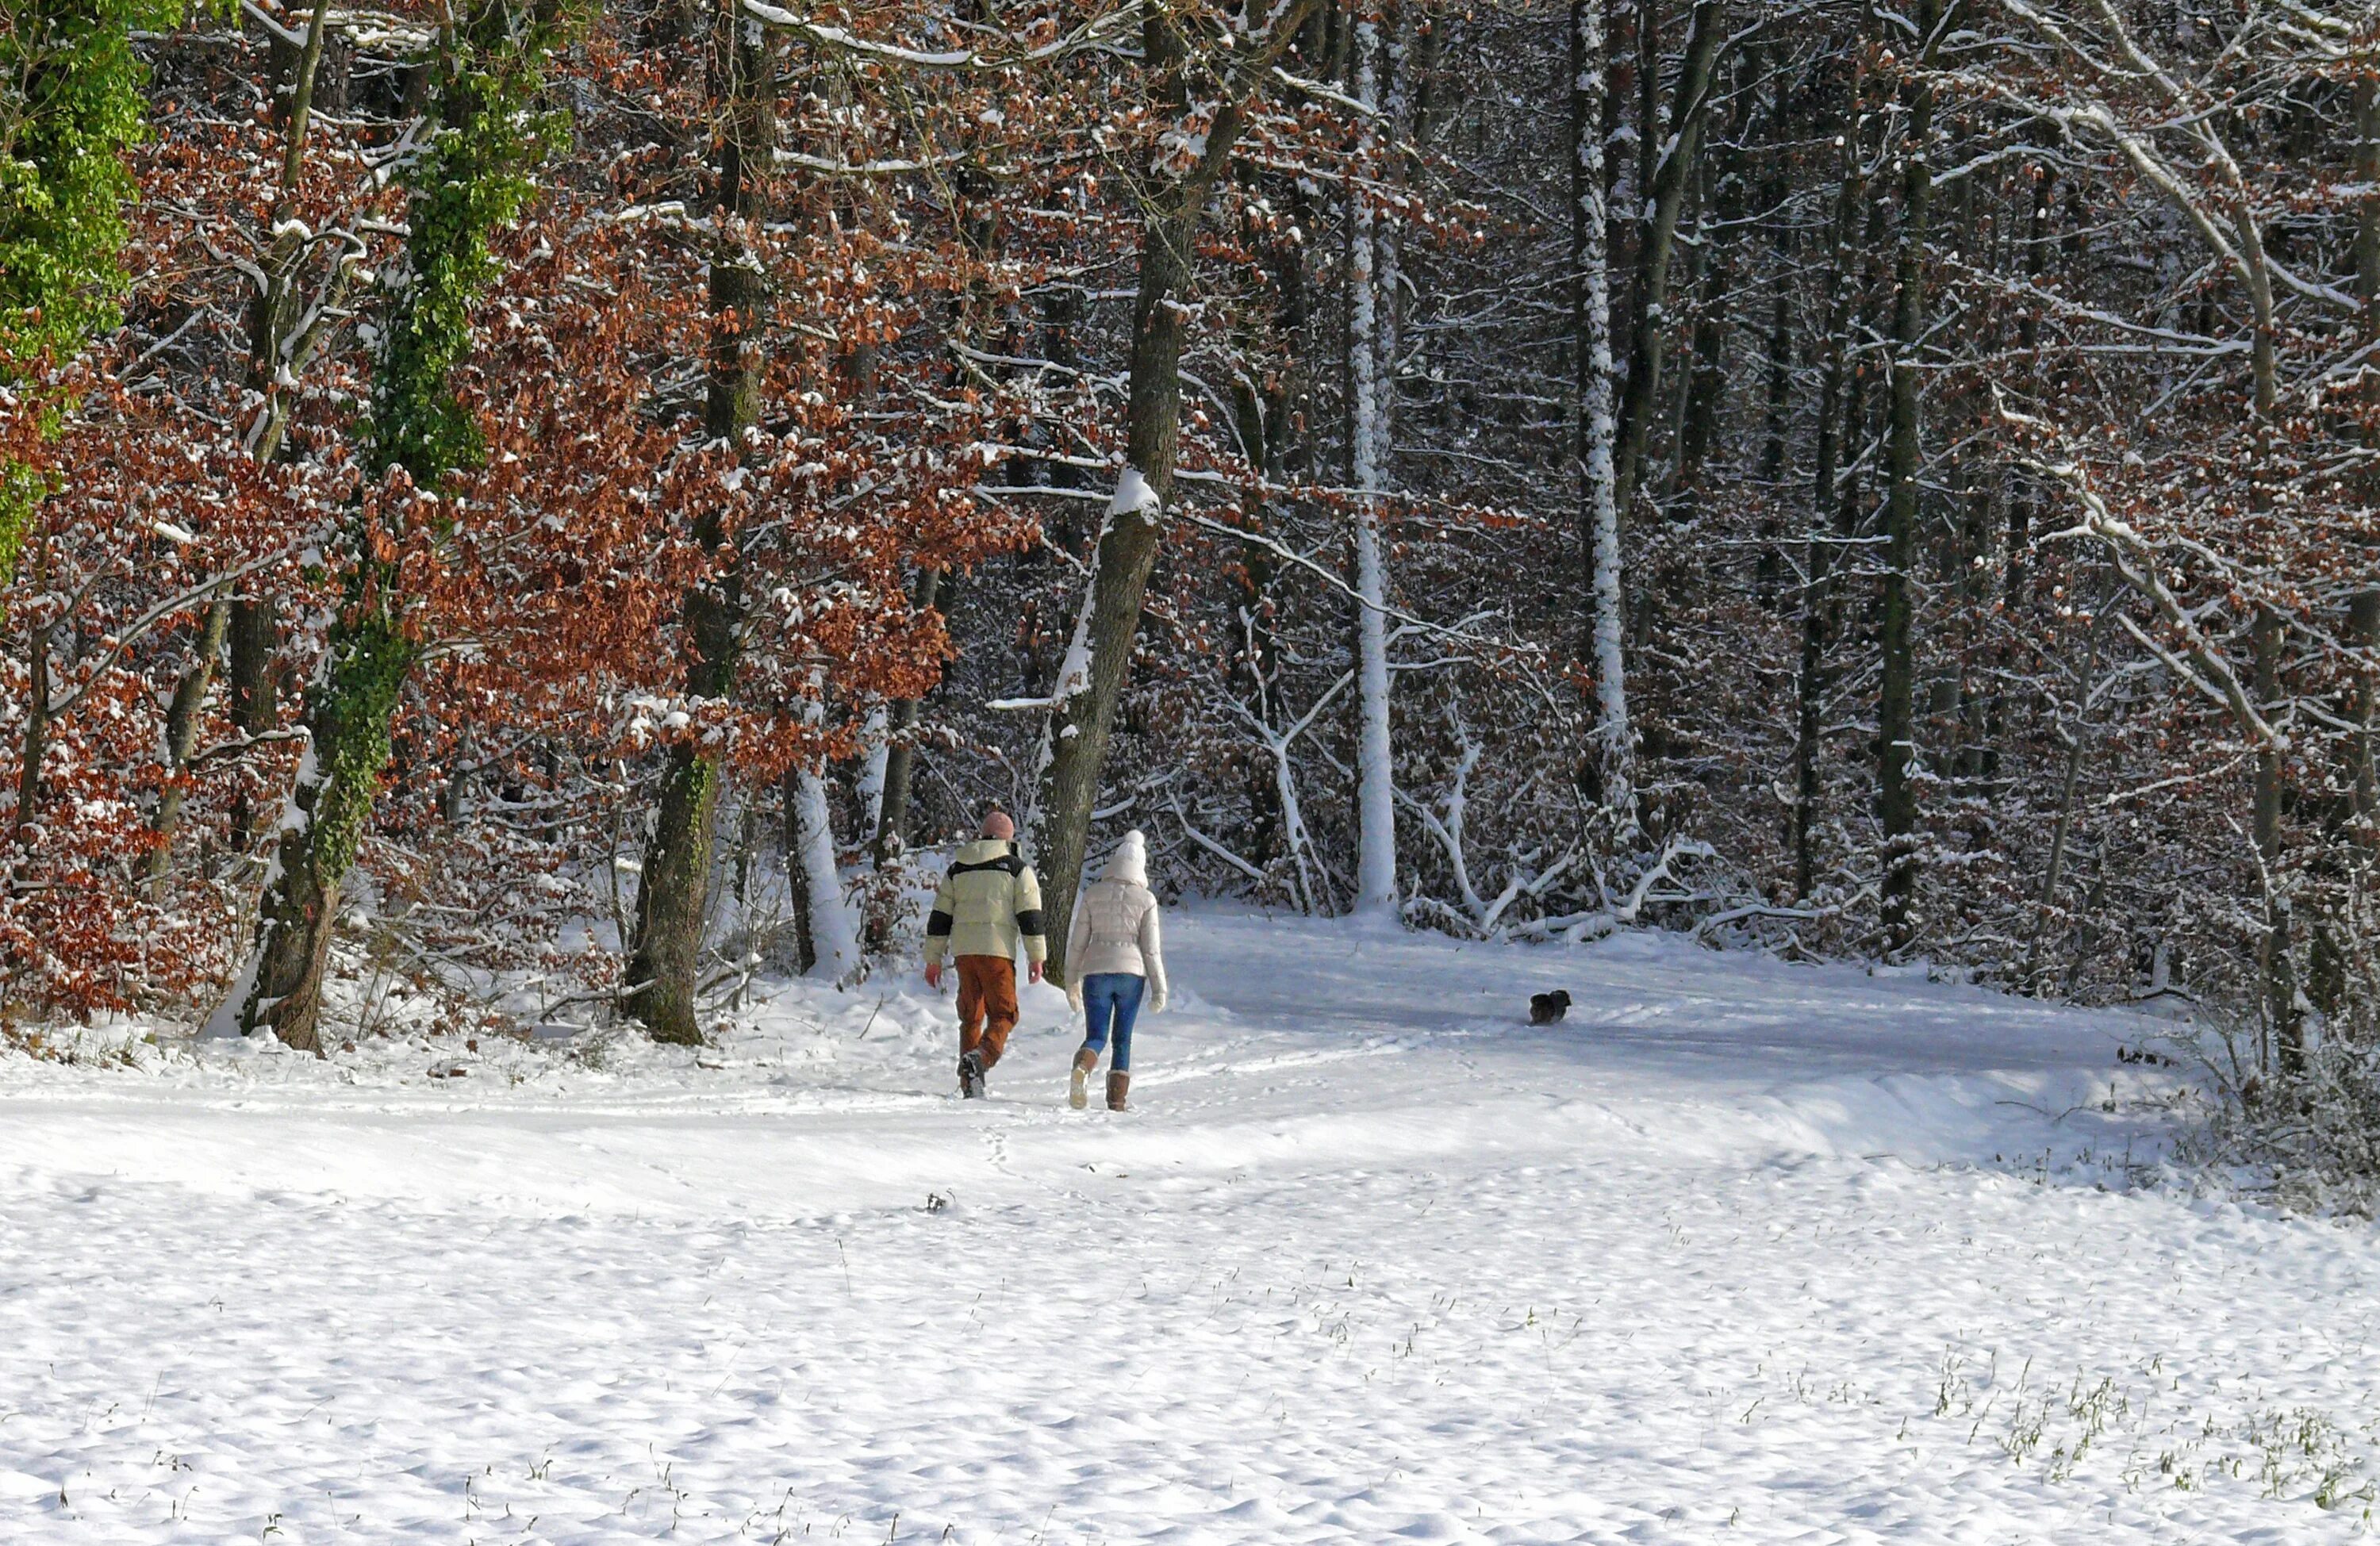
{"type": "Point", "coordinates": [1740, 1251]}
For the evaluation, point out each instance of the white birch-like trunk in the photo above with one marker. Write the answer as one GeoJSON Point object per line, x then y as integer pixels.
{"type": "Point", "coordinates": [876, 736]}
{"type": "Point", "coordinates": [1599, 435]}
{"type": "Point", "coordinates": [1376, 869]}
{"type": "Point", "coordinates": [834, 935]}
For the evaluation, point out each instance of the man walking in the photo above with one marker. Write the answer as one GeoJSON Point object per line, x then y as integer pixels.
{"type": "Point", "coordinates": [989, 900]}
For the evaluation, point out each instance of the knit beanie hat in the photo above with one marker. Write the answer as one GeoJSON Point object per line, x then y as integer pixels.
{"type": "Point", "coordinates": [1130, 860]}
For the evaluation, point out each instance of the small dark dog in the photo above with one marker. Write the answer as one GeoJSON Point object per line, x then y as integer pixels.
{"type": "Point", "coordinates": [1546, 1007]}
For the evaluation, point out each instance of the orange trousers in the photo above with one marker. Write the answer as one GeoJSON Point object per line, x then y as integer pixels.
{"type": "Point", "coordinates": [987, 1005]}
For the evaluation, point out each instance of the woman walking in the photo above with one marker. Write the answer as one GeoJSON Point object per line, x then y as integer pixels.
{"type": "Point", "coordinates": [1113, 954]}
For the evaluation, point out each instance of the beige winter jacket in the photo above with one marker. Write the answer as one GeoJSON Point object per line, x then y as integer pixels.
{"type": "Point", "coordinates": [1115, 927]}
{"type": "Point", "coordinates": [989, 902]}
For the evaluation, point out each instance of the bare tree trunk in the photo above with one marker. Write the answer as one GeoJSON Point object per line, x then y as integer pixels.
{"type": "Point", "coordinates": [181, 737]}
{"type": "Point", "coordinates": [1768, 567]}
{"type": "Point", "coordinates": [1720, 214]}
{"type": "Point", "coordinates": [2023, 494]}
{"type": "Point", "coordinates": [672, 894]}
{"type": "Point", "coordinates": [816, 876]}
{"type": "Point", "coordinates": [901, 750]}
{"type": "Point", "coordinates": [2363, 636]}
{"type": "Point", "coordinates": [2270, 634]}
{"type": "Point", "coordinates": [2363, 609]}
{"type": "Point", "coordinates": [798, 895]}
{"type": "Point", "coordinates": [1376, 861]}
{"type": "Point", "coordinates": [1598, 428]}
{"type": "Point", "coordinates": [1896, 717]}
{"type": "Point", "coordinates": [1834, 420]}
{"type": "Point", "coordinates": [2062, 831]}
{"type": "Point", "coordinates": [273, 323]}
{"type": "Point", "coordinates": [1091, 684]}
{"type": "Point", "coordinates": [1671, 173]}
{"type": "Point", "coordinates": [253, 694]}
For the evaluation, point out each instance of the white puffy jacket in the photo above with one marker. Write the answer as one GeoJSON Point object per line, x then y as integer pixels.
{"type": "Point", "coordinates": [1116, 926]}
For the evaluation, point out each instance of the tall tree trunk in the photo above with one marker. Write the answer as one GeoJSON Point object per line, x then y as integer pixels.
{"type": "Point", "coordinates": [1672, 175]}
{"type": "Point", "coordinates": [2363, 609]}
{"type": "Point", "coordinates": [181, 738]}
{"type": "Point", "coordinates": [867, 783]}
{"type": "Point", "coordinates": [1597, 428]}
{"type": "Point", "coordinates": [486, 76]}
{"type": "Point", "coordinates": [901, 749]}
{"type": "Point", "coordinates": [2270, 634]}
{"type": "Point", "coordinates": [252, 691]}
{"type": "Point", "coordinates": [1896, 717]}
{"type": "Point", "coordinates": [2363, 637]}
{"type": "Point", "coordinates": [1768, 566]}
{"type": "Point", "coordinates": [1834, 420]}
{"type": "Point", "coordinates": [672, 894]}
{"type": "Point", "coordinates": [274, 321]}
{"type": "Point", "coordinates": [1376, 869]}
{"type": "Point", "coordinates": [1092, 679]}
{"type": "Point", "coordinates": [1719, 214]}
{"type": "Point", "coordinates": [2023, 492]}
{"type": "Point", "coordinates": [2062, 829]}
{"type": "Point", "coordinates": [834, 943]}
{"type": "Point", "coordinates": [330, 809]}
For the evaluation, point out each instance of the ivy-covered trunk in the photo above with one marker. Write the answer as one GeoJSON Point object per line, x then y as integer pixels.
{"type": "Point", "coordinates": [472, 179]}
{"type": "Point", "coordinates": [347, 720]}
{"type": "Point", "coordinates": [673, 896]}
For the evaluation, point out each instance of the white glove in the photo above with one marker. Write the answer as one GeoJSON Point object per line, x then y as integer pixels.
{"type": "Point", "coordinates": [1156, 1000]}
{"type": "Point", "coordinates": [1075, 995]}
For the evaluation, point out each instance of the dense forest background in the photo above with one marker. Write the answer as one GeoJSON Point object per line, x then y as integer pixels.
{"type": "Point", "coordinates": [563, 503]}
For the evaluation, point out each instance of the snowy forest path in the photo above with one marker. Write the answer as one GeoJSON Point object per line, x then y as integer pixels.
{"type": "Point", "coordinates": [1292, 1046]}
{"type": "Point", "coordinates": [1811, 1253]}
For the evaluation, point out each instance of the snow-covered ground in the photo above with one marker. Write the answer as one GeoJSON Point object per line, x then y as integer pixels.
{"type": "Point", "coordinates": [1740, 1251]}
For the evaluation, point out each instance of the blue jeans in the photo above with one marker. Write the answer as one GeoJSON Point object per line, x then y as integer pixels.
{"type": "Point", "coordinates": [1111, 998]}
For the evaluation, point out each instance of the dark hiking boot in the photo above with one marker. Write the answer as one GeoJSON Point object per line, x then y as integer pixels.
{"type": "Point", "coordinates": [1117, 1084]}
{"type": "Point", "coordinates": [1077, 1095]}
{"type": "Point", "coordinates": [971, 1075]}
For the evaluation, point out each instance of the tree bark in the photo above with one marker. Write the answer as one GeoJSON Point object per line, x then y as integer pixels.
{"type": "Point", "coordinates": [2363, 636]}
{"type": "Point", "coordinates": [1720, 209]}
{"type": "Point", "coordinates": [1376, 864]}
{"type": "Point", "coordinates": [331, 807]}
{"type": "Point", "coordinates": [1671, 173]}
{"type": "Point", "coordinates": [673, 893]}
{"type": "Point", "coordinates": [2062, 831]}
{"type": "Point", "coordinates": [892, 835]}
{"type": "Point", "coordinates": [1127, 549]}
{"type": "Point", "coordinates": [273, 318]}
{"type": "Point", "coordinates": [1896, 718]}
{"type": "Point", "coordinates": [2023, 492]}
{"type": "Point", "coordinates": [181, 737]}
{"type": "Point", "coordinates": [1597, 428]}
{"type": "Point", "coordinates": [371, 649]}
{"type": "Point", "coordinates": [1834, 418]}
{"type": "Point", "coordinates": [252, 691]}
{"type": "Point", "coordinates": [833, 941]}
{"type": "Point", "coordinates": [1768, 567]}
{"type": "Point", "coordinates": [2270, 634]}
{"type": "Point", "coordinates": [2364, 609]}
